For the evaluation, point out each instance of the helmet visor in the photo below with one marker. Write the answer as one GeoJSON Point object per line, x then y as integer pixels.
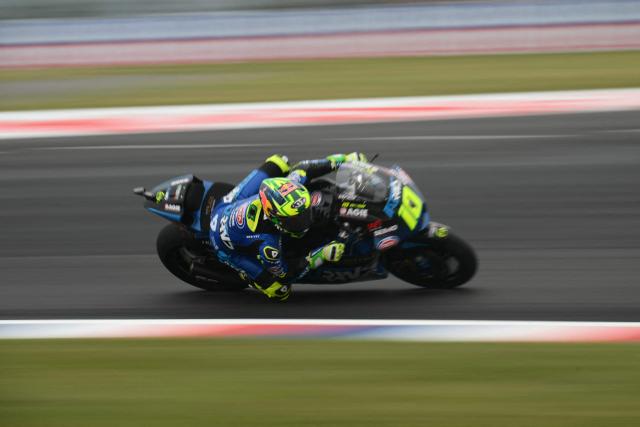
{"type": "Point", "coordinates": [296, 223]}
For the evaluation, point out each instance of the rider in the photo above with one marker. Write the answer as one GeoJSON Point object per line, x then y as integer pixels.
{"type": "Point", "coordinates": [247, 227]}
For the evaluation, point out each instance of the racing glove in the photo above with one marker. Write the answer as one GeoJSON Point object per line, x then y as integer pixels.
{"type": "Point", "coordinates": [355, 157]}
{"type": "Point", "coordinates": [276, 290]}
{"type": "Point", "coordinates": [338, 159]}
{"type": "Point", "coordinates": [331, 252]}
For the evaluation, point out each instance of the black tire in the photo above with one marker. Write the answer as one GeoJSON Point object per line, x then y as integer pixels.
{"type": "Point", "coordinates": [453, 263]}
{"type": "Point", "coordinates": [176, 248]}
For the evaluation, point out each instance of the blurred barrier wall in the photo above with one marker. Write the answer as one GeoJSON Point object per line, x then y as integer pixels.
{"type": "Point", "coordinates": [29, 9]}
{"type": "Point", "coordinates": [186, 118]}
{"type": "Point", "coordinates": [403, 30]}
{"type": "Point", "coordinates": [389, 330]}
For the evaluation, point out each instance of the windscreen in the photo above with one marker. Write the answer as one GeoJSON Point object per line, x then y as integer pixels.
{"type": "Point", "coordinates": [358, 180]}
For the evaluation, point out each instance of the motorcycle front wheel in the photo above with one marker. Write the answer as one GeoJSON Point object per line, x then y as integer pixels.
{"type": "Point", "coordinates": [438, 264]}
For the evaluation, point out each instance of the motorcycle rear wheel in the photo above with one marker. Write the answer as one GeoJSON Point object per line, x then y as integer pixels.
{"type": "Point", "coordinates": [442, 264]}
{"type": "Point", "coordinates": [176, 250]}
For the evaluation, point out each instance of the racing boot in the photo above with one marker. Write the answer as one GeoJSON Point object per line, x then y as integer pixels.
{"type": "Point", "coordinates": [275, 290]}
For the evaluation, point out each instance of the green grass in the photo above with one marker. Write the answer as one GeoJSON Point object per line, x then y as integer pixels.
{"type": "Point", "coordinates": [320, 79]}
{"type": "Point", "coordinates": [312, 383]}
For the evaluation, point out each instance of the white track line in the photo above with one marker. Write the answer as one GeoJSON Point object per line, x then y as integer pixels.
{"type": "Point", "coordinates": [622, 130]}
{"type": "Point", "coordinates": [150, 147]}
{"type": "Point", "coordinates": [452, 137]}
{"type": "Point", "coordinates": [322, 322]}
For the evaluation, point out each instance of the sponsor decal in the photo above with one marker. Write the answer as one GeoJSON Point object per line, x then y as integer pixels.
{"type": "Point", "coordinates": [347, 196]}
{"type": "Point", "coordinates": [240, 214]}
{"type": "Point", "coordinates": [178, 192]}
{"type": "Point", "coordinates": [213, 227]}
{"type": "Point", "coordinates": [316, 198]}
{"type": "Point", "coordinates": [180, 181]}
{"type": "Point", "coordinates": [353, 205]}
{"type": "Point", "coordinates": [299, 203]}
{"type": "Point", "coordinates": [232, 195]}
{"type": "Point", "coordinates": [354, 213]}
{"type": "Point", "coordinates": [395, 192]}
{"type": "Point", "coordinates": [385, 230]}
{"type": "Point", "coordinates": [271, 253]}
{"type": "Point", "coordinates": [348, 275]}
{"type": "Point", "coordinates": [387, 242]}
{"type": "Point", "coordinates": [374, 225]}
{"type": "Point", "coordinates": [171, 207]}
{"type": "Point", "coordinates": [224, 232]}
{"type": "Point", "coordinates": [287, 188]}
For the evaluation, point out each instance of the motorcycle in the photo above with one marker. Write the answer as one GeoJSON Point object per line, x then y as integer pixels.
{"type": "Point", "coordinates": [367, 207]}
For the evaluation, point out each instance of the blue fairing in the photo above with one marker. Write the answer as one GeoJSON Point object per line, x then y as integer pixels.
{"type": "Point", "coordinates": [166, 215]}
{"type": "Point", "coordinates": [171, 199]}
{"type": "Point", "coordinates": [196, 216]}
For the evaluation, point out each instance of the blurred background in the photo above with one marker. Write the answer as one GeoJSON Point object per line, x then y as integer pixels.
{"type": "Point", "coordinates": [111, 52]}
{"type": "Point", "coordinates": [550, 203]}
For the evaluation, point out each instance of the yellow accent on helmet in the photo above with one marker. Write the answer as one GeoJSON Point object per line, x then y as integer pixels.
{"type": "Point", "coordinates": [254, 211]}
{"type": "Point", "coordinates": [286, 203]}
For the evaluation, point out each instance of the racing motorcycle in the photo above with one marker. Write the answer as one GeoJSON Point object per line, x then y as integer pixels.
{"type": "Point", "coordinates": [364, 207]}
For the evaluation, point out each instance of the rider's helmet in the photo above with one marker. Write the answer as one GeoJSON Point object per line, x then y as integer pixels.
{"type": "Point", "coordinates": [286, 204]}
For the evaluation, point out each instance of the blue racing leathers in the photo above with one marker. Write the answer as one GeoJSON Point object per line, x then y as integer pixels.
{"type": "Point", "coordinates": [242, 238]}
{"type": "Point", "coordinates": [248, 242]}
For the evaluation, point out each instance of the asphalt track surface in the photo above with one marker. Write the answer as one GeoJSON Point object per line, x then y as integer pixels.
{"type": "Point", "coordinates": [551, 204]}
